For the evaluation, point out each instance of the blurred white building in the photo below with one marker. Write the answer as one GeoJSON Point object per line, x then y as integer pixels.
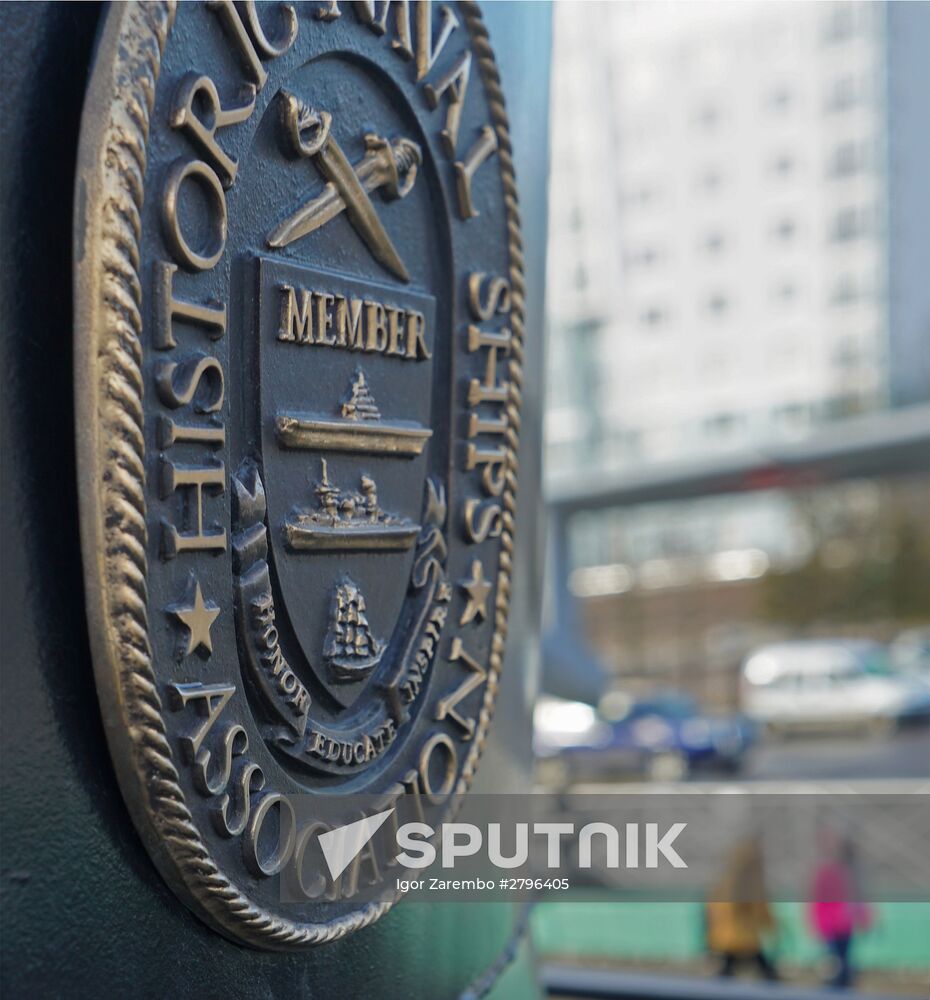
{"type": "Point", "coordinates": [719, 226]}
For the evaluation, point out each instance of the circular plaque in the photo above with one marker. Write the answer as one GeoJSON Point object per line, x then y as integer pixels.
{"type": "Point", "coordinates": [299, 333]}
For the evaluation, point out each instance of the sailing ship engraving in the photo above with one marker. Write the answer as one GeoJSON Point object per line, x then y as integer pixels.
{"type": "Point", "coordinates": [350, 649]}
{"type": "Point", "coordinates": [358, 428]}
{"type": "Point", "coordinates": [348, 521]}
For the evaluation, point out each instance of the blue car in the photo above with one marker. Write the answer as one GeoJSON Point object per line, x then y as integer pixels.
{"type": "Point", "coordinates": [662, 738]}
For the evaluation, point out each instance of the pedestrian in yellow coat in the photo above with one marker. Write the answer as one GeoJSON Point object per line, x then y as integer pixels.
{"type": "Point", "coordinates": [738, 914]}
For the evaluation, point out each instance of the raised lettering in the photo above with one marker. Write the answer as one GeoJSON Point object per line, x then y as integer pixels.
{"type": "Point", "coordinates": [198, 379]}
{"type": "Point", "coordinates": [447, 706]}
{"type": "Point", "coordinates": [437, 795]}
{"type": "Point", "coordinates": [201, 173]}
{"type": "Point", "coordinates": [269, 859]}
{"type": "Point", "coordinates": [212, 316]}
{"type": "Point", "coordinates": [250, 39]}
{"type": "Point", "coordinates": [483, 520]}
{"type": "Point", "coordinates": [465, 170]}
{"type": "Point", "coordinates": [427, 52]}
{"type": "Point", "coordinates": [416, 342]}
{"type": "Point", "coordinates": [296, 320]}
{"type": "Point", "coordinates": [452, 85]}
{"type": "Point", "coordinates": [198, 478]}
{"type": "Point", "coordinates": [377, 326]}
{"type": "Point", "coordinates": [365, 10]}
{"type": "Point", "coordinates": [198, 112]}
{"type": "Point", "coordinates": [210, 699]}
{"type": "Point", "coordinates": [324, 318]}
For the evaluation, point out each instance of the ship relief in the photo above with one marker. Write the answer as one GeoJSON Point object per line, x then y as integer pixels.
{"type": "Point", "coordinates": [347, 520]}
{"type": "Point", "coordinates": [299, 339]}
{"type": "Point", "coordinates": [357, 428]}
{"type": "Point", "coordinates": [351, 651]}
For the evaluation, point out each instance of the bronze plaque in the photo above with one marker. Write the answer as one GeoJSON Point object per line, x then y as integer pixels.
{"type": "Point", "coordinates": [299, 336]}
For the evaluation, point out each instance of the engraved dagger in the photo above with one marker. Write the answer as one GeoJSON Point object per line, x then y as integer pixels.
{"type": "Point", "coordinates": [388, 165]}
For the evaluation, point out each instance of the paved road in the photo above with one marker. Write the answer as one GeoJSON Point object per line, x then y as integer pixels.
{"type": "Point", "coordinates": [905, 754]}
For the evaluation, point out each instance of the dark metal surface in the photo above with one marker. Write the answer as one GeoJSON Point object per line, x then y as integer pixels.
{"type": "Point", "coordinates": [84, 910]}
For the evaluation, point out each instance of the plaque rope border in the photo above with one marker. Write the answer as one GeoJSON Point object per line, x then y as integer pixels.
{"type": "Point", "coordinates": [113, 506]}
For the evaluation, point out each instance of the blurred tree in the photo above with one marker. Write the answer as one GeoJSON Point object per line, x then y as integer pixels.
{"type": "Point", "coordinates": [883, 575]}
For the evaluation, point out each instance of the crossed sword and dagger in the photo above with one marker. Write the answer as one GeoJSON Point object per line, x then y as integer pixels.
{"type": "Point", "coordinates": [388, 165]}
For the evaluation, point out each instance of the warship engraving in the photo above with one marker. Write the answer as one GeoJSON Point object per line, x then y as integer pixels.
{"type": "Point", "coordinates": [360, 404]}
{"type": "Point", "coordinates": [348, 521]}
{"type": "Point", "coordinates": [358, 428]}
{"type": "Point", "coordinates": [350, 649]}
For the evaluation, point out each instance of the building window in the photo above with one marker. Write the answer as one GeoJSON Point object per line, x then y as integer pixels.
{"type": "Point", "coordinates": [721, 424]}
{"type": "Point", "coordinates": [640, 196]}
{"type": "Point", "coordinates": [844, 291]}
{"type": "Point", "coordinates": [641, 257]}
{"type": "Point", "coordinates": [792, 415]}
{"type": "Point", "coordinates": [848, 158]}
{"type": "Point", "coordinates": [847, 354]}
{"type": "Point", "coordinates": [779, 100]}
{"type": "Point", "coordinates": [785, 292]}
{"type": "Point", "coordinates": [783, 165]}
{"type": "Point", "coordinates": [709, 181]}
{"type": "Point", "coordinates": [708, 117]}
{"type": "Point", "coordinates": [845, 93]}
{"type": "Point", "coordinates": [653, 316]}
{"type": "Point", "coordinates": [715, 364]}
{"type": "Point", "coordinates": [850, 224]}
{"type": "Point", "coordinates": [785, 229]}
{"type": "Point", "coordinates": [840, 23]}
{"type": "Point", "coordinates": [713, 242]}
{"type": "Point", "coordinates": [717, 304]}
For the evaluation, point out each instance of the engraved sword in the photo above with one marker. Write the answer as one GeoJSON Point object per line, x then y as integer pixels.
{"type": "Point", "coordinates": [391, 166]}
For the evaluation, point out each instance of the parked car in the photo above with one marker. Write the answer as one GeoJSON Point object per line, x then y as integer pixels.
{"type": "Point", "coordinates": [829, 683]}
{"type": "Point", "coordinates": [664, 738]}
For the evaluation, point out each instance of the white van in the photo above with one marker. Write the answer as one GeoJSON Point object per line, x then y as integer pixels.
{"type": "Point", "coordinates": [829, 682]}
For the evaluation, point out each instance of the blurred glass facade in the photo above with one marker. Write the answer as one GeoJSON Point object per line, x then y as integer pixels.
{"type": "Point", "coordinates": [739, 219]}
{"type": "Point", "coordinates": [737, 207]}
{"type": "Point", "coordinates": [676, 594]}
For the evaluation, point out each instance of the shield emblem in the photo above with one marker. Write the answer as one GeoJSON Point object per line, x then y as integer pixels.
{"type": "Point", "coordinates": [346, 449]}
{"type": "Point", "coordinates": [345, 364]}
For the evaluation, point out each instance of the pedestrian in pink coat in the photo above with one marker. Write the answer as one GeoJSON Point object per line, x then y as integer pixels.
{"type": "Point", "coordinates": [836, 912]}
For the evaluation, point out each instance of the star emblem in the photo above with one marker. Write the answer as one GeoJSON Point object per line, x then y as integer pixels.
{"type": "Point", "coordinates": [477, 588]}
{"type": "Point", "coordinates": [197, 615]}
